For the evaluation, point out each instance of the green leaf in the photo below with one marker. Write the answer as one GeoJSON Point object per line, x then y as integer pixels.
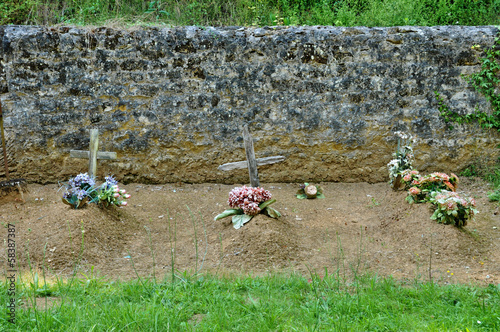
{"type": "Point", "coordinates": [240, 220]}
{"type": "Point", "coordinates": [263, 205]}
{"type": "Point", "coordinates": [320, 196]}
{"type": "Point", "coordinates": [272, 212]}
{"type": "Point", "coordinates": [228, 213]}
{"type": "Point", "coordinates": [301, 196]}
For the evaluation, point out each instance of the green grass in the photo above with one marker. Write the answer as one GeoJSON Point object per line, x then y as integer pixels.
{"type": "Point", "coordinates": [488, 170]}
{"type": "Point", "coordinates": [268, 303]}
{"type": "Point", "coordinates": [252, 12]}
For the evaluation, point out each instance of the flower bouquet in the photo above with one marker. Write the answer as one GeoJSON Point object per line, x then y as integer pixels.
{"type": "Point", "coordinates": [110, 194]}
{"type": "Point", "coordinates": [82, 190]}
{"type": "Point", "coordinates": [247, 202]}
{"type": "Point", "coordinates": [410, 177]}
{"type": "Point", "coordinates": [451, 208]}
{"type": "Point", "coordinates": [422, 186]}
{"type": "Point", "coordinates": [415, 195]}
{"type": "Point", "coordinates": [403, 159]}
{"type": "Point", "coordinates": [79, 190]}
{"type": "Point", "coordinates": [309, 191]}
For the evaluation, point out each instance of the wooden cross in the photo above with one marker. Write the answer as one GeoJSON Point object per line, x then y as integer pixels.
{"type": "Point", "coordinates": [251, 161]}
{"type": "Point", "coordinates": [93, 154]}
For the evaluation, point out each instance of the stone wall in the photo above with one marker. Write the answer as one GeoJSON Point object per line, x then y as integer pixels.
{"type": "Point", "coordinates": [172, 101]}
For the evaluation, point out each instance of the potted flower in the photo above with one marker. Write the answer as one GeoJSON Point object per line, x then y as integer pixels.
{"type": "Point", "coordinates": [247, 202]}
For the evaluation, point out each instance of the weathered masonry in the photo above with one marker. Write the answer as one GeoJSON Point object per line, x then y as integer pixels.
{"type": "Point", "coordinates": [172, 101]}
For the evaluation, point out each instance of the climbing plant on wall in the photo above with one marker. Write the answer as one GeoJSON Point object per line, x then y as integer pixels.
{"type": "Point", "coordinates": [486, 82]}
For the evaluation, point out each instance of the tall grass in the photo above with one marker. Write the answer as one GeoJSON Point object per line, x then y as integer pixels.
{"type": "Point", "coordinates": [274, 302]}
{"type": "Point", "coordinates": [252, 12]}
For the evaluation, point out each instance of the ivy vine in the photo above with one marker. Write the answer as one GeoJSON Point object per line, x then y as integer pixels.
{"type": "Point", "coordinates": [486, 82]}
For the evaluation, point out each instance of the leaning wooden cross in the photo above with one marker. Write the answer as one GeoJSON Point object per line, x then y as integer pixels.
{"type": "Point", "coordinates": [93, 154]}
{"type": "Point", "coordinates": [251, 161]}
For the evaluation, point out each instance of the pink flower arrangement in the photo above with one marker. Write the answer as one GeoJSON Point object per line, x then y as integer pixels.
{"type": "Point", "coordinates": [414, 191]}
{"type": "Point", "coordinates": [427, 184]}
{"type": "Point", "coordinates": [247, 202]}
{"type": "Point", "coordinates": [110, 194]}
{"type": "Point", "coordinates": [452, 208]}
{"type": "Point", "coordinates": [248, 199]}
{"type": "Point", "coordinates": [410, 177]}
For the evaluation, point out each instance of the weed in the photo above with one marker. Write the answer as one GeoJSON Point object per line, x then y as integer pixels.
{"type": "Point", "coordinates": [373, 203]}
{"type": "Point", "coordinates": [469, 171]}
{"type": "Point", "coordinates": [250, 12]}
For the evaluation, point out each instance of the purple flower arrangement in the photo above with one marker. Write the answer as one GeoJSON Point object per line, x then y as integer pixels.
{"type": "Point", "coordinates": [82, 190]}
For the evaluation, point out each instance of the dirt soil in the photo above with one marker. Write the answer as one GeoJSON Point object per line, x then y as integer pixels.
{"type": "Point", "coordinates": [357, 228]}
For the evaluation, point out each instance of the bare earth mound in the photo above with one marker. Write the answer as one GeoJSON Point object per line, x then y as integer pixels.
{"type": "Point", "coordinates": [358, 227]}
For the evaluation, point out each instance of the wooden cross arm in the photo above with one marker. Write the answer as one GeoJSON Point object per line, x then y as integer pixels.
{"type": "Point", "coordinates": [244, 164]}
{"type": "Point", "coordinates": [86, 154]}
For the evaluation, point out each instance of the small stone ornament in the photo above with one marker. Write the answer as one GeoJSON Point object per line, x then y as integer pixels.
{"type": "Point", "coordinates": [309, 191]}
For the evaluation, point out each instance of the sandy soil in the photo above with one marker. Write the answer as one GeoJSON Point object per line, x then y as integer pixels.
{"type": "Point", "coordinates": [357, 228]}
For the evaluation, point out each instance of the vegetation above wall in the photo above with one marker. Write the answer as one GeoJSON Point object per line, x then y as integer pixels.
{"type": "Point", "coordinates": [251, 12]}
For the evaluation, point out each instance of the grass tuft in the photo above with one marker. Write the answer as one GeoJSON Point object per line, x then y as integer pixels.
{"type": "Point", "coordinates": [272, 302]}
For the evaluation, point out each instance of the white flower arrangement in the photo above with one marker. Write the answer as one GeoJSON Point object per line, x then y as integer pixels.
{"type": "Point", "coordinates": [403, 157]}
